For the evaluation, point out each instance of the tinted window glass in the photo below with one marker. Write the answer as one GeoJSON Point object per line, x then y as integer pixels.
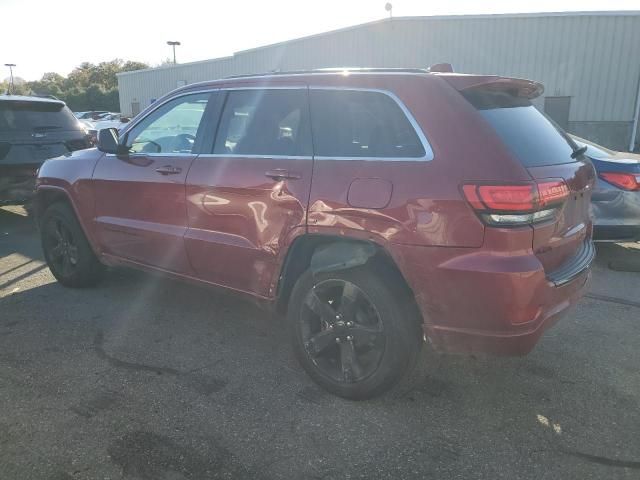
{"type": "Point", "coordinates": [361, 124]}
{"type": "Point", "coordinates": [529, 134]}
{"type": "Point", "coordinates": [264, 122]}
{"type": "Point", "coordinates": [170, 129]}
{"type": "Point", "coordinates": [36, 116]}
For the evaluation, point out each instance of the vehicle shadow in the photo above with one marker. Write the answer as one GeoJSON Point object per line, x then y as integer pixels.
{"type": "Point", "coordinates": [622, 257]}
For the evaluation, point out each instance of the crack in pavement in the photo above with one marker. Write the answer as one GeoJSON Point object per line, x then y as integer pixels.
{"type": "Point", "coordinates": [609, 462]}
{"type": "Point", "coordinates": [607, 298]}
{"type": "Point", "coordinates": [98, 345]}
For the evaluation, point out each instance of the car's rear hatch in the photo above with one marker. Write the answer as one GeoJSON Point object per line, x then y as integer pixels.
{"type": "Point", "coordinates": [32, 131]}
{"type": "Point", "coordinates": [548, 154]}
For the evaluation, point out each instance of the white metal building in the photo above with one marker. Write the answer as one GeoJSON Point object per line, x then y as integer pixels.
{"type": "Point", "coordinates": [589, 62]}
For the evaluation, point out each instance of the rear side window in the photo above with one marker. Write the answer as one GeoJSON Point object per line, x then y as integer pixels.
{"type": "Point", "coordinates": [532, 137]}
{"type": "Point", "coordinates": [349, 123]}
{"type": "Point", "coordinates": [29, 116]}
{"type": "Point", "coordinates": [266, 123]}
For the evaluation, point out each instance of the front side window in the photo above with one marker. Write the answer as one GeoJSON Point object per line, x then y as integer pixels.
{"type": "Point", "coordinates": [265, 122]}
{"type": "Point", "coordinates": [170, 129]}
{"type": "Point", "coordinates": [349, 123]}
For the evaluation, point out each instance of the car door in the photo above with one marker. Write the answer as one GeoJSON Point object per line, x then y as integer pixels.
{"type": "Point", "coordinates": [246, 197]}
{"type": "Point", "coordinates": [140, 206]}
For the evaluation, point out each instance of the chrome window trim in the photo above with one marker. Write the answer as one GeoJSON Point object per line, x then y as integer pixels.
{"type": "Point", "coordinates": [428, 151]}
{"type": "Point", "coordinates": [428, 156]}
{"type": "Point", "coordinates": [163, 154]}
{"type": "Point", "coordinates": [266, 87]}
{"type": "Point", "coordinates": [276, 157]}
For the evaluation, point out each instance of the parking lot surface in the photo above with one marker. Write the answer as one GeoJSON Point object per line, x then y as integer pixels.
{"type": "Point", "coordinates": [146, 378]}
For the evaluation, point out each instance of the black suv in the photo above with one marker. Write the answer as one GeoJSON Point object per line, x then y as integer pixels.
{"type": "Point", "coordinates": [33, 129]}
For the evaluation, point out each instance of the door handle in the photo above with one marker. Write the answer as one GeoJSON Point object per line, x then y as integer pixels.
{"type": "Point", "coordinates": [168, 170]}
{"type": "Point", "coordinates": [279, 174]}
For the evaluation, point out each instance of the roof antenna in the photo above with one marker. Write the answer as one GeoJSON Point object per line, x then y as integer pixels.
{"type": "Point", "coordinates": [389, 8]}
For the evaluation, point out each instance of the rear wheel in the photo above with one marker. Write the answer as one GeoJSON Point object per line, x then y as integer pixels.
{"type": "Point", "coordinates": [66, 248]}
{"type": "Point", "coordinates": [352, 333]}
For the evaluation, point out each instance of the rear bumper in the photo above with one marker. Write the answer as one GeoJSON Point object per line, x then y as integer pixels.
{"type": "Point", "coordinates": [17, 184]}
{"type": "Point", "coordinates": [488, 302]}
{"type": "Point", "coordinates": [511, 342]}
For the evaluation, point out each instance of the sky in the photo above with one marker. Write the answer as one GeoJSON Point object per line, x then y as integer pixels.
{"type": "Point", "coordinates": [55, 36]}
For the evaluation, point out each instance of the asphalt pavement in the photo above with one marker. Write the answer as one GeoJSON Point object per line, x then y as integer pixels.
{"type": "Point", "coordinates": [151, 379]}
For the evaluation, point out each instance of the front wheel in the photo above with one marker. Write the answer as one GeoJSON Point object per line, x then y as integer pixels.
{"type": "Point", "coordinates": [66, 249]}
{"type": "Point", "coordinates": [353, 333]}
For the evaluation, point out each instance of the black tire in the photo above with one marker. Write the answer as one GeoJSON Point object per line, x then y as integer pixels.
{"type": "Point", "coordinates": [384, 358]}
{"type": "Point", "coordinates": [66, 249]}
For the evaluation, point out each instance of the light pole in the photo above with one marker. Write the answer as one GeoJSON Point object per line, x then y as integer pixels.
{"type": "Point", "coordinates": [389, 8]}
{"type": "Point", "coordinates": [173, 44]}
{"type": "Point", "coordinates": [10, 65]}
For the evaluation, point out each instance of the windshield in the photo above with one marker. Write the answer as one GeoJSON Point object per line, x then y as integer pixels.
{"type": "Point", "coordinates": [532, 137]}
{"type": "Point", "coordinates": [32, 116]}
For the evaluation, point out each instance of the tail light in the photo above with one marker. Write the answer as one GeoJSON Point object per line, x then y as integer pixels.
{"type": "Point", "coordinates": [625, 181]}
{"type": "Point", "coordinates": [513, 205]}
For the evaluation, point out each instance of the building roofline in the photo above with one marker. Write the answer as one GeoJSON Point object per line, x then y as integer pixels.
{"type": "Point", "coordinates": [595, 13]}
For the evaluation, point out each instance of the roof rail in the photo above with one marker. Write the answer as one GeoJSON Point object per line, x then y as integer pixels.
{"type": "Point", "coordinates": [332, 70]}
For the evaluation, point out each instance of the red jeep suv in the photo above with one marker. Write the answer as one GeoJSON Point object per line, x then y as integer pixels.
{"type": "Point", "coordinates": [374, 207]}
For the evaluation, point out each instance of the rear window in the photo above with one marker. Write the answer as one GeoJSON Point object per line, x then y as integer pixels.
{"type": "Point", "coordinates": [35, 117]}
{"type": "Point", "coordinates": [532, 137]}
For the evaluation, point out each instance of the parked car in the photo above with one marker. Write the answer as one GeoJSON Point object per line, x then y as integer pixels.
{"type": "Point", "coordinates": [615, 202]}
{"type": "Point", "coordinates": [90, 115]}
{"type": "Point", "coordinates": [110, 116]}
{"type": "Point", "coordinates": [32, 129]}
{"type": "Point", "coordinates": [111, 121]}
{"type": "Point", "coordinates": [373, 207]}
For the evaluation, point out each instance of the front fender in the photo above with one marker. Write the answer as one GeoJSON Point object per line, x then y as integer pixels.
{"type": "Point", "coordinates": [71, 176]}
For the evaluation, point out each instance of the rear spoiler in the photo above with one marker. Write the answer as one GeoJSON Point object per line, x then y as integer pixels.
{"type": "Point", "coordinates": [518, 87]}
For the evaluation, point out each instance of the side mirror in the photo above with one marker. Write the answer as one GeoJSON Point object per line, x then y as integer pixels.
{"type": "Point", "coordinates": [125, 120]}
{"type": "Point", "coordinates": [108, 142]}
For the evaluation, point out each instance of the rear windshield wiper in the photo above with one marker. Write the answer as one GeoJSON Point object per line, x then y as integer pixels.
{"type": "Point", "coordinates": [579, 151]}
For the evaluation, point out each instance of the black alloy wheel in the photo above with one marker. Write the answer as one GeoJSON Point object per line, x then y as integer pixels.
{"type": "Point", "coordinates": [353, 332]}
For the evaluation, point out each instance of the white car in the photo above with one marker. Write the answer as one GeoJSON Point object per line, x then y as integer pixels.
{"type": "Point", "coordinates": [93, 127]}
{"type": "Point", "coordinates": [114, 122]}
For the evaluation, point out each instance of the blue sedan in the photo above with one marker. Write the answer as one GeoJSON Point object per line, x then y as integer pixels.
{"type": "Point", "coordinates": [615, 203]}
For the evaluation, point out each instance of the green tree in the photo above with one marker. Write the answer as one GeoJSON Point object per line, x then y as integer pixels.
{"type": "Point", "coordinates": [88, 87]}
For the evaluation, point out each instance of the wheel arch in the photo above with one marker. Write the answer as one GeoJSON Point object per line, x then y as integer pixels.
{"type": "Point", "coordinates": [50, 194]}
{"type": "Point", "coordinates": [47, 196]}
{"type": "Point", "coordinates": [323, 253]}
